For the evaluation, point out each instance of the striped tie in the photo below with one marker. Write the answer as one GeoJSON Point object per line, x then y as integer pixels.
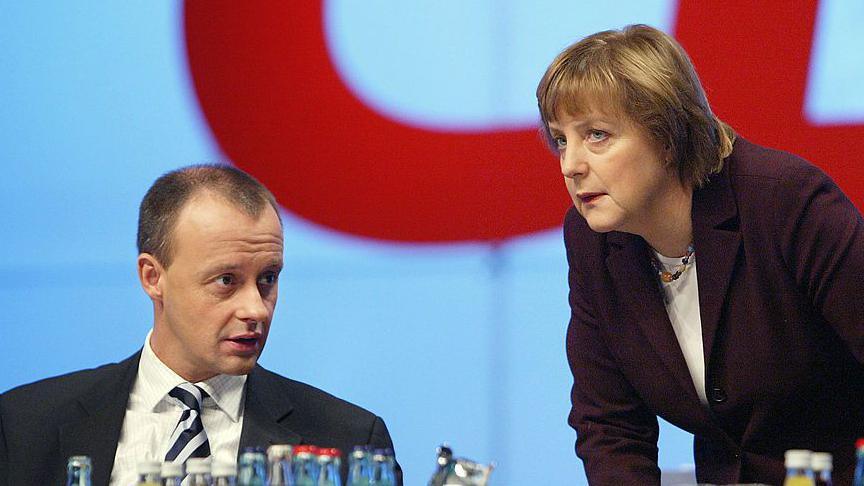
{"type": "Point", "coordinates": [188, 439]}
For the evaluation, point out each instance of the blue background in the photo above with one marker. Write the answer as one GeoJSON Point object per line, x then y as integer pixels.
{"type": "Point", "coordinates": [461, 343]}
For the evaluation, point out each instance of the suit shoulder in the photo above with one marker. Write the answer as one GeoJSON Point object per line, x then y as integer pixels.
{"type": "Point", "coordinates": [310, 399]}
{"type": "Point", "coordinates": [50, 392]}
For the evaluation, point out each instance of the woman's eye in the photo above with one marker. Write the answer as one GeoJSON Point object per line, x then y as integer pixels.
{"type": "Point", "coordinates": [560, 142]}
{"type": "Point", "coordinates": [597, 135]}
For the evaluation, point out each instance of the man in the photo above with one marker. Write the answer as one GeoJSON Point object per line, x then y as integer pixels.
{"type": "Point", "coordinates": [210, 253]}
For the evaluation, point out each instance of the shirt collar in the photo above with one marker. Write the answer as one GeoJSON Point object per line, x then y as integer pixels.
{"type": "Point", "coordinates": [157, 379]}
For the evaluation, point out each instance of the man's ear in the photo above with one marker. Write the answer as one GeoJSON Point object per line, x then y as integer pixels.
{"type": "Point", "coordinates": [150, 273]}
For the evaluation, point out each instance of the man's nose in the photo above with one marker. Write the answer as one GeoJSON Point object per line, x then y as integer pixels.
{"type": "Point", "coordinates": [252, 307]}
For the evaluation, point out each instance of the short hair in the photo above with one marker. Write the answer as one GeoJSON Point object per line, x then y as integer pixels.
{"type": "Point", "coordinates": [648, 77]}
{"type": "Point", "coordinates": [163, 202]}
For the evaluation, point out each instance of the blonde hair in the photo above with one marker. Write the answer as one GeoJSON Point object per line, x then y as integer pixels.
{"type": "Point", "coordinates": [644, 74]}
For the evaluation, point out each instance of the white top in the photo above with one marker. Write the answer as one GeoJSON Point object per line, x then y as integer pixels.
{"type": "Point", "coordinates": [682, 305]}
{"type": "Point", "coordinates": [151, 416]}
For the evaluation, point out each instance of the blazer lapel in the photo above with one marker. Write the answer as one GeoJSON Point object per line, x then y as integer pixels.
{"type": "Point", "coordinates": [718, 243]}
{"type": "Point", "coordinates": [96, 433]}
{"type": "Point", "coordinates": [265, 411]}
{"type": "Point", "coordinates": [638, 301]}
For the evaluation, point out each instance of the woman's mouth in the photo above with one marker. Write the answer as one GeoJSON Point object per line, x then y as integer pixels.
{"type": "Point", "coordinates": [589, 197]}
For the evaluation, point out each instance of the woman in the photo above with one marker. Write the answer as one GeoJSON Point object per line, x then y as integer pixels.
{"type": "Point", "coordinates": [759, 351]}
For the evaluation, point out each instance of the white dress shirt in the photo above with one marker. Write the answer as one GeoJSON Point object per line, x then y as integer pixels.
{"type": "Point", "coordinates": [151, 416]}
{"type": "Point", "coordinates": [682, 305]}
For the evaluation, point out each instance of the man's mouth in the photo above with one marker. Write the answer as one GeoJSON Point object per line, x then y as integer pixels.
{"type": "Point", "coordinates": [249, 342]}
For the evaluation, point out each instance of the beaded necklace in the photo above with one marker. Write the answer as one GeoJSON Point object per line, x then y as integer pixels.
{"type": "Point", "coordinates": [666, 276]}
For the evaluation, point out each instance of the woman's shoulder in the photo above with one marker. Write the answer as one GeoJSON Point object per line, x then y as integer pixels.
{"type": "Point", "coordinates": [751, 161]}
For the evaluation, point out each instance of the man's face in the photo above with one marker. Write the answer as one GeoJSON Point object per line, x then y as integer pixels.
{"type": "Point", "coordinates": [215, 301]}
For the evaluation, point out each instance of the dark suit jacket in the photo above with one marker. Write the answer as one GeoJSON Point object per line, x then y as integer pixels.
{"type": "Point", "coordinates": [780, 259]}
{"type": "Point", "coordinates": [44, 423]}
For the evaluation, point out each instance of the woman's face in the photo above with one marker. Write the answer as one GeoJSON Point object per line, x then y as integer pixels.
{"type": "Point", "coordinates": [615, 173]}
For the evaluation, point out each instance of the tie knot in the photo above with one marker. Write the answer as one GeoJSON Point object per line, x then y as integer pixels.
{"type": "Point", "coordinates": [191, 396]}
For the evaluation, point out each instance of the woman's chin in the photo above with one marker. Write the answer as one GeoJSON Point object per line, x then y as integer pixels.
{"type": "Point", "coordinates": [601, 225]}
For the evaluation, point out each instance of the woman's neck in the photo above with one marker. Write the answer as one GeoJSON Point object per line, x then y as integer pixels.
{"type": "Point", "coordinates": [670, 229]}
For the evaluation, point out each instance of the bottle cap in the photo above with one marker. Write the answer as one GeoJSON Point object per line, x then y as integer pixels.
{"type": "Point", "coordinates": [172, 470]}
{"type": "Point", "coordinates": [359, 452]}
{"type": "Point", "coordinates": [305, 449]}
{"type": "Point", "coordinates": [223, 469]}
{"type": "Point", "coordinates": [198, 465]}
{"type": "Point", "coordinates": [279, 451]}
{"type": "Point", "coordinates": [79, 461]}
{"type": "Point", "coordinates": [821, 461]}
{"type": "Point", "coordinates": [149, 467]}
{"type": "Point", "coordinates": [859, 444]}
{"type": "Point", "coordinates": [797, 459]}
{"type": "Point", "coordinates": [251, 455]}
{"type": "Point", "coordinates": [331, 452]}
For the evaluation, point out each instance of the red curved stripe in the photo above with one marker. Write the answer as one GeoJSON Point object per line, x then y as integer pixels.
{"type": "Point", "coordinates": [754, 58]}
{"type": "Point", "coordinates": [279, 109]}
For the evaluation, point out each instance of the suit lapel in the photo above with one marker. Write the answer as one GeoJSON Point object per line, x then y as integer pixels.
{"type": "Point", "coordinates": [266, 409]}
{"type": "Point", "coordinates": [96, 433]}
{"type": "Point", "coordinates": [718, 243]}
{"type": "Point", "coordinates": [638, 301]}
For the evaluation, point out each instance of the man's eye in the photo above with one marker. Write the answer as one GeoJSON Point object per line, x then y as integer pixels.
{"type": "Point", "coordinates": [268, 279]}
{"type": "Point", "coordinates": [560, 142]}
{"type": "Point", "coordinates": [226, 280]}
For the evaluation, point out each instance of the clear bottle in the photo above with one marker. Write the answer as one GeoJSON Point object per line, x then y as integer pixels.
{"type": "Point", "coordinates": [172, 474]}
{"type": "Point", "coordinates": [78, 470]}
{"type": "Point", "coordinates": [253, 467]}
{"type": "Point", "coordinates": [359, 467]}
{"type": "Point", "coordinates": [822, 464]}
{"type": "Point", "coordinates": [305, 465]}
{"type": "Point", "coordinates": [149, 473]}
{"type": "Point", "coordinates": [383, 465]}
{"type": "Point", "coordinates": [224, 474]}
{"type": "Point", "coordinates": [798, 472]}
{"type": "Point", "coordinates": [279, 470]}
{"type": "Point", "coordinates": [198, 471]}
{"type": "Point", "coordinates": [329, 463]}
{"type": "Point", "coordinates": [859, 466]}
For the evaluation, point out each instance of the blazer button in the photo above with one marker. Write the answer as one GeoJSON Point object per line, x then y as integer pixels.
{"type": "Point", "coordinates": [718, 395]}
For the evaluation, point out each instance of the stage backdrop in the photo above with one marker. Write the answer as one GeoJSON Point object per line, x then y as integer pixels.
{"type": "Point", "coordinates": [425, 277]}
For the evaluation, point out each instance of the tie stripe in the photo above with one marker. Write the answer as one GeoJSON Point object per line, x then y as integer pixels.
{"type": "Point", "coordinates": [188, 439]}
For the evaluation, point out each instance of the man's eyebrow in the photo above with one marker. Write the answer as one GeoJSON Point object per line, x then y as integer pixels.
{"type": "Point", "coordinates": [219, 269]}
{"type": "Point", "coordinates": [277, 264]}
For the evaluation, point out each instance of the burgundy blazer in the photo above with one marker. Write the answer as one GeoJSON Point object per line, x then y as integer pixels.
{"type": "Point", "coordinates": [780, 253]}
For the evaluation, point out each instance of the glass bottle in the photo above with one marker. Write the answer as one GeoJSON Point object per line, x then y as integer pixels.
{"type": "Point", "coordinates": [78, 471]}
{"type": "Point", "coordinates": [859, 466]}
{"type": "Point", "coordinates": [329, 463]}
{"type": "Point", "coordinates": [253, 467]}
{"type": "Point", "coordinates": [305, 465]}
{"type": "Point", "coordinates": [279, 470]}
{"type": "Point", "coordinates": [798, 472]}
{"type": "Point", "coordinates": [822, 465]}
{"type": "Point", "coordinates": [149, 473]}
{"type": "Point", "coordinates": [172, 473]}
{"type": "Point", "coordinates": [359, 467]}
{"type": "Point", "coordinates": [224, 474]}
{"type": "Point", "coordinates": [383, 463]}
{"type": "Point", "coordinates": [198, 471]}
